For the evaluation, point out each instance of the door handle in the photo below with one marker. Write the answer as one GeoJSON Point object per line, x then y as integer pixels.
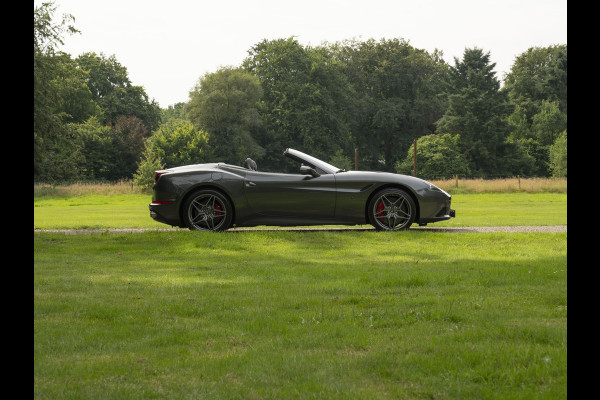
{"type": "Point", "coordinates": [250, 183]}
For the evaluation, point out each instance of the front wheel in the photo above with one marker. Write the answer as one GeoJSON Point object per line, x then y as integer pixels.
{"type": "Point", "coordinates": [391, 210]}
{"type": "Point", "coordinates": [207, 210]}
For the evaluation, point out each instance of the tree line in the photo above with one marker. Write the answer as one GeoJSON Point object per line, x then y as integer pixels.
{"type": "Point", "coordinates": [377, 96]}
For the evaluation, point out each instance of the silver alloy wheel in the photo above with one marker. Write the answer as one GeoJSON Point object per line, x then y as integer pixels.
{"type": "Point", "coordinates": [207, 212]}
{"type": "Point", "coordinates": [392, 210]}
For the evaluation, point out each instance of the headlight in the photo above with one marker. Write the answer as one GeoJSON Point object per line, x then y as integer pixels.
{"type": "Point", "coordinates": [433, 187]}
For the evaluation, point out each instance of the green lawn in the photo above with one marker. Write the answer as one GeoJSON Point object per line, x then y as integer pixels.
{"type": "Point", "coordinates": [302, 315]}
{"type": "Point", "coordinates": [131, 211]}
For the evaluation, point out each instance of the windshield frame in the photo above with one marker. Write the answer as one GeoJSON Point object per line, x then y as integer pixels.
{"type": "Point", "coordinates": [311, 161]}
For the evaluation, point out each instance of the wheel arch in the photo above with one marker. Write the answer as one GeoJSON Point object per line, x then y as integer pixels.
{"type": "Point", "coordinates": [202, 186]}
{"type": "Point", "coordinates": [392, 186]}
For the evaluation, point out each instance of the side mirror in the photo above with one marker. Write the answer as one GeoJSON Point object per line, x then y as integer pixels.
{"type": "Point", "coordinates": [306, 170]}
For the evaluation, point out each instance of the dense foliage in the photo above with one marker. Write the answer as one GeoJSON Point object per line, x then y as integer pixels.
{"type": "Point", "coordinates": [90, 122]}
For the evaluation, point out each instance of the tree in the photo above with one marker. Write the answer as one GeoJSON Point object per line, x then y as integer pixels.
{"type": "Point", "coordinates": [340, 160]}
{"type": "Point", "coordinates": [98, 149]}
{"type": "Point", "coordinates": [111, 152]}
{"type": "Point", "coordinates": [558, 156]}
{"type": "Point", "coordinates": [225, 105]}
{"type": "Point", "coordinates": [548, 123]}
{"type": "Point", "coordinates": [394, 98]}
{"type": "Point", "coordinates": [438, 157]}
{"type": "Point", "coordinates": [129, 134]}
{"type": "Point", "coordinates": [111, 89]}
{"type": "Point", "coordinates": [478, 111]}
{"type": "Point", "coordinates": [538, 74]}
{"type": "Point", "coordinates": [173, 111]}
{"type": "Point", "coordinates": [55, 151]}
{"type": "Point", "coordinates": [304, 97]}
{"type": "Point", "coordinates": [537, 86]}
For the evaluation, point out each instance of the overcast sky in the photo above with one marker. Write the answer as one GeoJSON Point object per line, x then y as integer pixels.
{"type": "Point", "coordinates": [167, 45]}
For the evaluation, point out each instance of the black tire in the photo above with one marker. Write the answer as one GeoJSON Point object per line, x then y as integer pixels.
{"type": "Point", "coordinates": [207, 210]}
{"type": "Point", "coordinates": [391, 210]}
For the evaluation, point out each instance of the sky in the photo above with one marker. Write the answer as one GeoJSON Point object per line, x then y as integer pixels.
{"type": "Point", "coordinates": [167, 46]}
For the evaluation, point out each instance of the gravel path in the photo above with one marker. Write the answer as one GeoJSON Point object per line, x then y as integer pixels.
{"type": "Point", "coordinates": [550, 229]}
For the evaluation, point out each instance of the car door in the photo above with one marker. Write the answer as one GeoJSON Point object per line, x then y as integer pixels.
{"type": "Point", "coordinates": [291, 195]}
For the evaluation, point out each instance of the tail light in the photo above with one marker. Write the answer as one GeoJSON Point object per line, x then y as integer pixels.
{"type": "Point", "coordinates": [158, 173]}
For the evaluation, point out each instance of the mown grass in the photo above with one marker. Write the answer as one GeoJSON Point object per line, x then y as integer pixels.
{"type": "Point", "coordinates": [328, 315]}
{"type": "Point", "coordinates": [131, 210]}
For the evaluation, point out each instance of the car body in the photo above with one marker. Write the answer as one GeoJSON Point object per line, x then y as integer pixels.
{"type": "Point", "coordinates": [218, 196]}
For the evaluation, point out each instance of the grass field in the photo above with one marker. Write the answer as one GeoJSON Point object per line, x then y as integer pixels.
{"type": "Point", "coordinates": [301, 315]}
{"type": "Point", "coordinates": [96, 211]}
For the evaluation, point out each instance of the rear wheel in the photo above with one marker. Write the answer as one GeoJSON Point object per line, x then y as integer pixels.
{"type": "Point", "coordinates": [207, 210]}
{"type": "Point", "coordinates": [391, 210]}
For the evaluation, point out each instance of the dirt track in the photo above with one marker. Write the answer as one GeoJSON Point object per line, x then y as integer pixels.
{"type": "Point", "coordinates": [550, 229]}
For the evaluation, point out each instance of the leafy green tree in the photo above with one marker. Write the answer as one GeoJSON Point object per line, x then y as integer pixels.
{"type": "Point", "coordinates": [173, 111]}
{"type": "Point", "coordinates": [129, 134]}
{"type": "Point", "coordinates": [538, 74]}
{"type": "Point", "coordinates": [438, 157]}
{"type": "Point", "coordinates": [111, 152]}
{"type": "Point", "coordinates": [558, 156]}
{"type": "Point", "coordinates": [74, 101]}
{"type": "Point", "coordinates": [342, 161]}
{"type": "Point", "coordinates": [98, 149]}
{"type": "Point", "coordinates": [394, 97]}
{"type": "Point", "coordinates": [548, 123]}
{"type": "Point", "coordinates": [55, 148]}
{"type": "Point", "coordinates": [225, 105]}
{"type": "Point", "coordinates": [304, 96]}
{"type": "Point", "coordinates": [478, 111]}
{"type": "Point", "coordinates": [111, 89]}
{"type": "Point", "coordinates": [537, 86]}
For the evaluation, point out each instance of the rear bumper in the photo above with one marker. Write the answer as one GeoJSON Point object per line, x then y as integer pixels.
{"type": "Point", "coordinates": [164, 213]}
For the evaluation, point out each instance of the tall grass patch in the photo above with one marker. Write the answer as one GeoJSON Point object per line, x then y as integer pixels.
{"type": "Point", "coordinates": [86, 188]}
{"type": "Point", "coordinates": [506, 185]}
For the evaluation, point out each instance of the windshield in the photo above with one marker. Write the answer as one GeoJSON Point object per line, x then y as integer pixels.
{"type": "Point", "coordinates": [320, 166]}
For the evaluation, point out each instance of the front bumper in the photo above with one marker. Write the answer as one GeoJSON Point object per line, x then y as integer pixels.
{"type": "Point", "coordinates": [437, 210]}
{"type": "Point", "coordinates": [438, 218]}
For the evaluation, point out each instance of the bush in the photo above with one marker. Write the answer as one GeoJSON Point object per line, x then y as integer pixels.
{"type": "Point", "coordinates": [144, 176]}
{"type": "Point", "coordinates": [177, 143]}
{"type": "Point", "coordinates": [438, 156]}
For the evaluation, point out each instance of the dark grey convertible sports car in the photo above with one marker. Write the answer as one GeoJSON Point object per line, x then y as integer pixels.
{"type": "Point", "coordinates": [218, 196]}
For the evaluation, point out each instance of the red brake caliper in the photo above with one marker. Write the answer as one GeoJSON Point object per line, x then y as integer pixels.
{"type": "Point", "coordinates": [379, 209]}
{"type": "Point", "coordinates": [218, 208]}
